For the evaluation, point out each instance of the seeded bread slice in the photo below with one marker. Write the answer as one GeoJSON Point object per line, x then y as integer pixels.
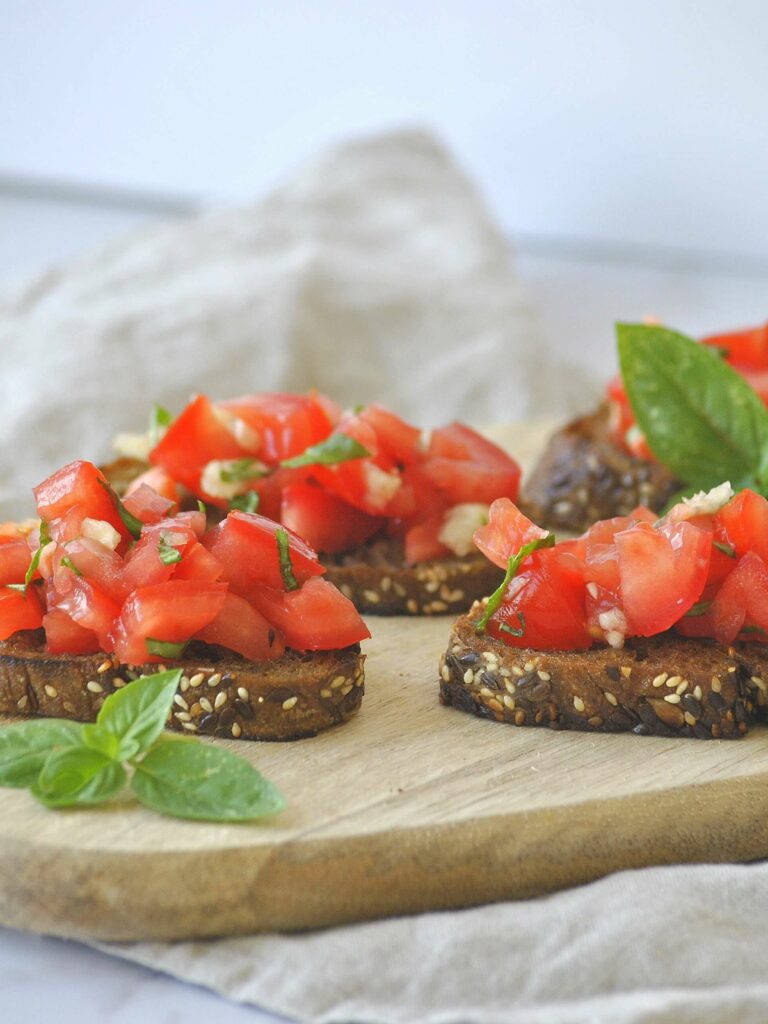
{"type": "Point", "coordinates": [660, 686]}
{"type": "Point", "coordinates": [219, 694]}
{"type": "Point", "coordinates": [583, 476]}
{"type": "Point", "coordinates": [377, 580]}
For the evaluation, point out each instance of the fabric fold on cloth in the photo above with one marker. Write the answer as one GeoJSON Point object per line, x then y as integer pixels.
{"type": "Point", "coordinates": [664, 945]}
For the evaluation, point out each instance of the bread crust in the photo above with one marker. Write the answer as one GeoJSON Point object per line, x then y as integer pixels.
{"type": "Point", "coordinates": [658, 686]}
{"type": "Point", "coordinates": [219, 694]}
{"type": "Point", "coordinates": [583, 476]}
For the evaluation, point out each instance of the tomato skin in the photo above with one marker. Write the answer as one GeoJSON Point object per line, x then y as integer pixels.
{"type": "Point", "coordinates": [422, 541]}
{"type": "Point", "coordinates": [467, 467]}
{"type": "Point", "coordinates": [743, 523]}
{"type": "Point", "coordinates": [65, 636]}
{"type": "Point", "coordinates": [241, 628]}
{"type": "Point", "coordinates": [15, 557]}
{"type": "Point", "coordinates": [286, 423]}
{"type": "Point", "coordinates": [99, 564]}
{"type": "Point", "coordinates": [398, 439]}
{"type": "Point", "coordinates": [88, 606]}
{"type": "Point", "coordinates": [81, 489]}
{"type": "Point", "coordinates": [159, 480]}
{"type": "Point", "coordinates": [147, 505]}
{"type": "Point", "coordinates": [506, 531]}
{"type": "Point", "coordinates": [194, 439]}
{"type": "Point", "coordinates": [197, 564]}
{"type": "Point", "coordinates": [315, 618]}
{"type": "Point", "coordinates": [172, 612]}
{"type": "Point", "coordinates": [245, 545]}
{"type": "Point", "coordinates": [747, 348]}
{"type": "Point", "coordinates": [369, 483]}
{"type": "Point", "coordinates": [663, 572]}
{"type": "Point", "coordinates": [19, 611]}
{"type": "Point", "coordinates": [327, 523]}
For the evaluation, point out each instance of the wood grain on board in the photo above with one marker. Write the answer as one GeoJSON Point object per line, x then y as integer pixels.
{"type": "Point", "coordinates": [410, 806]}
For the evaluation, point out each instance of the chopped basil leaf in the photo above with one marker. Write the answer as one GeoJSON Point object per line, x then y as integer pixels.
{"type": "Point", "coordinates": [701, 608]}
{"type": "Point", "coordinates": [506, 628]}
{"type": "Point", "coordinates": [284, 554]}
{"type": "Point", "coordinates": [165, 648]}
{"type": "Point", "coordinates": [169, 555]}
{"type": "Point", "coordinates": [131, 523]}
{"type": "Point", "coordinates": [512, 566]}
{"type": "Point", "coordinates": [336, 448]}
{"type": "Point", "coordinates": [159, 421]}
{"type": "Point", "coordinates": [45, 538]}
{"type": "Point", "coordinates": [753, 629]}
{"type": "Point", "coordinates": [201, 507]}
{"type": "Point", "coordinates": [67, 561]}
{"type": "Point", "coordinates": [358, 408]}
{"type": "Point", "coordinates": [725, 548]}
{"type": "Point", "coordinates": [241, 469]}
{"type": "Point", "coordinates": [248, 502]}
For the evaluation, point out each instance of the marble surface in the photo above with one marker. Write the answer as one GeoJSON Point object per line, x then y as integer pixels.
{"type": "Point", "coordinates": [43, 979]}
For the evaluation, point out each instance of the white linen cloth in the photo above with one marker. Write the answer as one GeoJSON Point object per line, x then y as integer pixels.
{"type": "Point", "coordinates": [375, 273]}
{"type": "Point", "coordinates": [659, 946]}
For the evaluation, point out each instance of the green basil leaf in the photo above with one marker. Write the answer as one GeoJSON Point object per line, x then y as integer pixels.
{"type": "Point", "coordinates": [131, 523]}
{"type": "Point", "coordinates": [136, 714]}
{"type": "Point", "coordinates": [238, 470]}
{"type": "Point", "coordinates": [45, 538]}
{"type": "Point", "coordinates": [97, 738]}
{"type": "Point", "coordinates": [78, 775]}
{"type": "Point", "coordinates": [284, 554]}
{"type": "Point", "coordinates": [700, 608]}
{"type": "Point", "coordinates": [506, 628]}
{"type": "Point", "coordinates": [512, 566]}
{"type": "Point", "coordinates": [169, 555]}
{"type": "Point", "coordinates": [165, 648]}
{"type": "Point", "coordinates": [159, 421]}
{"type": "Point", "coordinates": [24, 747]}
{"type": "Point", "coordinates": [725, 548]}
{"type": "Point", "coordinates": [336, 448]}
{"type": "Point", "coordinates": [248, 502]}
{"type": "Point", "coordinates": [201, 507]}
{"type": "Point", "coordinates": [204, 782]}
{"type": "Point", "coordinates": [700, 418]}
{"type": "Point", "coordinates": [67, 561]}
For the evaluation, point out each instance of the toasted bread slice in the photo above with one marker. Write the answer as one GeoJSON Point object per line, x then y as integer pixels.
{"type": "Point", "coordinates": [583, 476]}
{"type": "Point", "coordinates": [220, 694]}
{"type": "Point", "coordinates": [658, 686]}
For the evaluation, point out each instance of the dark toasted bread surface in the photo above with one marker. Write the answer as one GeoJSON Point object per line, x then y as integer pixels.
{"type": "Point", "coordinates": [658, 686]}
{"type": "Point", "coordinates": [583, 476]}
{"type": "Point", "coordinates": [219, 694]}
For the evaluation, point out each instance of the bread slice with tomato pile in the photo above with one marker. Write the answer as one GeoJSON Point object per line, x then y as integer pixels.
{"type": "Point", "coordinates": [600, 465]}
{"type": "Point", "coordinates": [390, 508]}
{"type": "Point", "coordinates": [644, 625]}
{"type": "Point", "coordinates": [99, 591]}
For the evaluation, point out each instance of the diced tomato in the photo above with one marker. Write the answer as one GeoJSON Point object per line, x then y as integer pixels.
{"type": "Point", "coordinates": [100, 565]}
{"type": "Point", "coordinates": [65, 636]}
{"type": "Point", "coordinates": [742, 600]}
{"type": "Point", "coordinates": [245, 546]}
{"type": "Point", "coordinates": [327, 523]}
{"type": "Point", "coordinates": [143, 565]}
{"type": "Point", "coordinates": [244, 630]}
{"type": "Point", "coordinates": [422, 541]}
{"type": "Point", "coordinates": [506, 531]}
{"type": "Point", "coordinates": [369, 483]}
{"type": "Point", "coordinates": [15, 557]}
{"type": "Point", "coordinates": [331, 409]}
{"type": "Point", "coordinates": [197, 564]}
{"type": "Point", "coordinates": [81, 489]}
{"type": "Point", "coordinates": [747, 348]}
{"type": "Point", "coordinates": [544, 606]}
{"type": "Point", "coordinates": [170, 612]}
{"type": "Point", "coordinates": [663, 572]}
{"type": "Point", "coordinates": [315, 618]}
{"type": "Point", "coordinates": [270, 489]}
{"type": "Point", "coordinates": [287, 424]}
{"type": "Point", "coordinates": [743, 523]}
{"type": "Point", "coordinates": [88, 606]}
{"type": "Point", "coordinates": [159, 480]}
{"type": "Point", "coordinates": [147, 505]}
{"type": "Point", "coordinates": [194, 439]}
{"type": "Point", "coordinates": [396, 437]}
{"type": "Point", "coordinates": [19, 611]}
{"type": "Point", "coordinates": [416, 501]}
{"type": "Point", "coordinates": [469, 468]}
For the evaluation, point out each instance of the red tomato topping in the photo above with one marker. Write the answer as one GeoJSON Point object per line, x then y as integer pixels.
{"type": "Point", "coordinates": [15, 557]}
{"type": "Point", "coordinates": [506, 532]}
{"type": "Point", "coordinates": [241, 628]}
{"type": "Point", "coordinates": [467, 467]}
{"type": "Point", "coordinates": [398, 439]}
{"type": "Point", "coordinates": [422, 541]}
{"type": "Point", "coordinates": [246, 546]}
{"type": "Point", "coordinates": [147, 505]}
{"type": "Point", "coordinates": [64, 636]}
{"type": "Point", "coordinates": [18, 611]}
{"type": "Point", "coordinates": [327, 523]}
{"type": "Point", "coordinates": [86, 605]}
{"type": "Point", "coordinates": [286, 424]}
{"type": "Point", "coordinates": [747, 348]}
{"type": "Point", "coordinates": [79, 489]}
{"type": "Point", "coordinates": [316, 617]}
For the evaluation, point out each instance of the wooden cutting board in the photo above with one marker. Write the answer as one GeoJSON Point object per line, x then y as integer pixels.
{"type": "Point", "coordinates": [408, 807]}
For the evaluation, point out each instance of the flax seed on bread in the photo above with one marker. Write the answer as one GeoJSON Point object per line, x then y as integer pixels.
{"type": "Point", "coordinates": [220, 694]}
{"type": "Point", "coordinates": [583, 476]}
{"type": "Point", "coordinates": [664, 685]}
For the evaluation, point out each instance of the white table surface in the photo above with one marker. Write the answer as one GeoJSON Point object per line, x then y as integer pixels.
{"type": "Point", "coordinates": [578, 297]}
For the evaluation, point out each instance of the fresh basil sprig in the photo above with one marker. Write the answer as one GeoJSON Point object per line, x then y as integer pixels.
{"type": "Point", "coordinates": [700, 418]}
{"type": "Point", "coordinates": [334, 449]}
{"type": "Point", "coordinates": [513, 565]}
{"type": "Point", "coordinates": [67, 764]}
